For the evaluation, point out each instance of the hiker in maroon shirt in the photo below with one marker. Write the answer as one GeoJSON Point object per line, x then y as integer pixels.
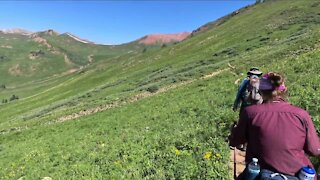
{"type": "Point", "coordinates": [278, 134]}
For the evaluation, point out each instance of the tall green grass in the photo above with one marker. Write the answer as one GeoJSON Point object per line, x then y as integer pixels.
{"type": "Point", "coordinates": [179, 134]}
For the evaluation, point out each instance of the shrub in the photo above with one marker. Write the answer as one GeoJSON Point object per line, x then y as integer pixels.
{"type": "Point", "coordinates": [144, 50]}
{"type": "Point", "coordinates": [13, 97]}
{"type": "Point", "coordinates": [153, 88]}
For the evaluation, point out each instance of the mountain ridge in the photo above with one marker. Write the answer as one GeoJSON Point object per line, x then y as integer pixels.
{"type": "Point", "coordinates": [163, 38]}
{"type": "Point", "coordinates": [148, 39]}
{"type": "Point", "coordinates": [16, 31]}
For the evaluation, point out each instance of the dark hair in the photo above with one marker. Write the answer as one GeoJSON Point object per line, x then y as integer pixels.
{"type": "Point", "coordinates": [276, 80]}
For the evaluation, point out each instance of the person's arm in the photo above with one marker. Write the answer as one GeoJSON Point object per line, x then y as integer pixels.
{"type": "Point", "coordinates": [312, 146]}
{"type": "Point", "coordinates": [238, 133]}
{"type": "Point", "coordinates": [242, 88]}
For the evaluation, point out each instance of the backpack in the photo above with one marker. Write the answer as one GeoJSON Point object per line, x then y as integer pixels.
{"type": "Point", "coordinates": [251, 94]}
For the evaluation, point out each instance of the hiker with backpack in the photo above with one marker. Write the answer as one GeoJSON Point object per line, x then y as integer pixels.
{"type": "Point", "coordinates": [278, 134]}
{"type": "Point", "coordinates": [248, 92]}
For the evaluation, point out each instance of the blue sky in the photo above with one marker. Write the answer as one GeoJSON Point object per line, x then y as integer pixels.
{"type": "Point", "coordinates": [114, 22]}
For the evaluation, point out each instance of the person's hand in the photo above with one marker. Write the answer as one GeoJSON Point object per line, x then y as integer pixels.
{"type": "Point", "coordinates": [234, 108]}
{"type": "Point", "coordinates": [229, 138]}
{"type": "Point", "coordinates": [234, 125]}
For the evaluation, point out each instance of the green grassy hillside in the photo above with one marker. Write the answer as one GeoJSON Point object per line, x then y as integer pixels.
{"type": "Point", "coordinates": [29, 58]}
{"type": "Point", "coordinates": [157, 114]}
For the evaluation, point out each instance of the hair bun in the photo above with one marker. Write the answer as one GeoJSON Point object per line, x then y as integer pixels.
{"type": "Point", "coordinates": [276, 79]}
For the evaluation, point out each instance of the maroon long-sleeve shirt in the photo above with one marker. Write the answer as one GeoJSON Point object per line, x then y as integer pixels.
{"type": "Point", "coordinates": [279, 135]}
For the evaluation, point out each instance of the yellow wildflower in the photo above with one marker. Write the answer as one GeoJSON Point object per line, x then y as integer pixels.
{"type": "Point", "coordinates": [207, 155]}
{"type": "Point", "coordinates": [178, 152]}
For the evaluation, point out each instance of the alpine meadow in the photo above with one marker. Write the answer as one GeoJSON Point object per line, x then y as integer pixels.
{"type": "Point", "coordinates": [78, 110]}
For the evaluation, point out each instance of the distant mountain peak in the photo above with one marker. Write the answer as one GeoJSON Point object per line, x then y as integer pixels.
{"type": "Point", "coordinates": [163, 38]}
{"type": "Point", "coordinates": [16, 31]}
{"type": "Point", "coordinates": [51, 32]}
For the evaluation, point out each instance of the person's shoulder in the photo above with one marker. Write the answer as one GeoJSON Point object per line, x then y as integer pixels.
{"type": "Point", "coordinates": [283, 106]}
{"type": "Point", "coordinates": [254, 108]}
{"type": "Point", "coordinates": [245, 81]}
{"type": "Point", "coordinates": [297, 110]}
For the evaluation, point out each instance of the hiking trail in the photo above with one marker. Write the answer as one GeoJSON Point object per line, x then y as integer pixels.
{"type": "Point", "coordinates": [240, 161]}
{"type": "Point", "coordinates": [131, 99]}
{"type": "Point", "coordinates": [114, 104]}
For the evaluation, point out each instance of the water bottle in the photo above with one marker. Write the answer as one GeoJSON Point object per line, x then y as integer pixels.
{"type": "Point", "coordinates": [307, 173]}
{"type": "Point", "coordinates": [253, 169]}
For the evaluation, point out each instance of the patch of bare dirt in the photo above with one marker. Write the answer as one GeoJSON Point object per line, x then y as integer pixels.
{"type": "Point", "coordinates": [15, 70]}
{"type": "Point", "coordinates": [240, 161]}
{"type": "Point", "coordinates": [163, 38]}
{"type": "Point", "coordinates": [4, 46]}
{"type": "Point", "coordinates": [214, 74]}
{"type": "Point", "coordinates": [66, 59]}
{"type": "Point", "coordinates": [131, 99]}
{"type": "Point", "coordinates": [33, 68]}
{"type": "Point", "coordinates": [90, 59]}
{"type": "Point", "coordinates": [232, 67]}
{"type": "Point", "coordinates": [32, 57]}
{"type": "Point", "coordinates": [237, 82]}
{"type": "Point", "coordinates": [42, 41]}
{"type": "Point", "coordinates": [73, 70]}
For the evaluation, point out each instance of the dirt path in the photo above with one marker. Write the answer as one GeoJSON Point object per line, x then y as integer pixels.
{"type": "Point", "coordinates": [240, 156]}
{"type": "Point", "coordinates": [240, 161]}
{"type": "Point", "coordinates": [117, 103]}
{"type": "Point", "coordinates": [131, 99]}
{"type": "Point", "coordinates": [66, 59]}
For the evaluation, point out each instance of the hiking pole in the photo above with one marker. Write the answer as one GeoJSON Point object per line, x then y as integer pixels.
{"type": "Point", "coordinates": [234, 163]}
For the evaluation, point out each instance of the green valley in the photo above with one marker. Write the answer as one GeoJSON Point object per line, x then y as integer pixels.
{"type": "Point", "coordinates": [134, 111]}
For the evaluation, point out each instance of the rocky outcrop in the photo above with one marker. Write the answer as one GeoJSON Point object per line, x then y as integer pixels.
{"type": "Point", "coordinates": [35, 54]}
{"type": "Point", "coordinates": [51, 32]}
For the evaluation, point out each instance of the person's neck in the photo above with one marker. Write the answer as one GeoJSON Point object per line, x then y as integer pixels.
{"type": "Point", "coordinates": [274, 100]}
